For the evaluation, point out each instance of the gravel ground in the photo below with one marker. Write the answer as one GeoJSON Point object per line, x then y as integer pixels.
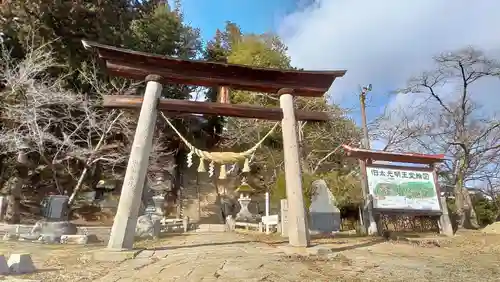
{"type": "Point", "coordinates": [469, 256]}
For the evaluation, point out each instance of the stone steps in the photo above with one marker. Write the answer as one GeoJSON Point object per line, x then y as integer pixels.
{"type": "Point", "coordinates": [199, 201]}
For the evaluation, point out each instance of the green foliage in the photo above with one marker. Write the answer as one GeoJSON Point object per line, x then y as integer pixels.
{"type": "Point", "coordinates": [345, 187]}
{"type": "Point", "coordinates": [162, 32]}
{"type": "Point", "coordinates": [452, 207]}
{"type": "Point", "coordinates": [259, 50]}
{"type": "Point", "coordinates": [34, 23]}
{"type": "Point", "coordinates": [138, 25]}
{"type": "Point", "coordinates": [232, 46]}
{"type": "Point", "coordinates": [319, 140]}
{"type": "Point", "coordinates": [486, 210]}
{"type": "Point", "coordinates": [278, 191]}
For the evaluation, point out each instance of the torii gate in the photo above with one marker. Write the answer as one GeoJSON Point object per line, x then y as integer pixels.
{"type": "Point", "coordinates": [158, 70]}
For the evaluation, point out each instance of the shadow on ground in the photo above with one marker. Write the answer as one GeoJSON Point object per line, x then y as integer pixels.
{"type": "Point", "coordinates": [198, 245]}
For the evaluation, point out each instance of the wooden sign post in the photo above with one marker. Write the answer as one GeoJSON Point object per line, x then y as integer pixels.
{"type": "Point", "coordinates": [403, 189]}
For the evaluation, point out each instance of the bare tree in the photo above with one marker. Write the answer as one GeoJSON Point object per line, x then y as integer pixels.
{"type": "Point", "coordinates": [60, 131]}
{"type": "Point", "coordinates": [458, 126]}
{"type": "Point", "coordinates": [398, 128]}
{"type": "Point", "coordinates": [320, 143]}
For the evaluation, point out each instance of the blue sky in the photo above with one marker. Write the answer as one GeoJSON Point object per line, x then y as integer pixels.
{"type": "Point", "coordinates": [379, 42]}
{"type": "Point", "coordinates": [256, 16]}
{"type": "Point", "coordinates": [259, 16]}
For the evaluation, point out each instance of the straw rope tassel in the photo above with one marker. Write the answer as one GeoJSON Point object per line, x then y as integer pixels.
{"type": "Point", "coordinates": [219, 157]}
{"type": "Point", "coordinates": [211, 169]}
{"type": "Point", "coordinates": [223, 173]}
{"type": "Point", "coordinates": [246, 166]}
{"type": "Point", "coordinates": [190, 159]}
{"type": "Point", "coordinates": [201, 166]}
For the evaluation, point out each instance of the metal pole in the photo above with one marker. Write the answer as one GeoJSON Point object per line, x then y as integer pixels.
{"type": "Point", "coordinates": [362, 99]}
{"type": "Point", "coordinates": [368, 219]}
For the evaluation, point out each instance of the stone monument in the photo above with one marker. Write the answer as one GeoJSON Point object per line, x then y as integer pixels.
{"type": "Point", "coordinates": [55, 207]}
{"type": "Point", "coordinates": [324, 216]}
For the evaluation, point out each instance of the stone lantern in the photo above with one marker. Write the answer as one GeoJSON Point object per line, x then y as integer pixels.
{"type": "Point", "coordinates": [158, 190]}
{"type": "Point", "coordinates": [245, 191]}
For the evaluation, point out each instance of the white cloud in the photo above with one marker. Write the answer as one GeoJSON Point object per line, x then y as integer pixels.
{"type": "Point", "coordinates": [385, 42]}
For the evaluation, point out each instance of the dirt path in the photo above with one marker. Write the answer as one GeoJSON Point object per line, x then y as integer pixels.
{"type": "Point", "coordinates": [470, 256]}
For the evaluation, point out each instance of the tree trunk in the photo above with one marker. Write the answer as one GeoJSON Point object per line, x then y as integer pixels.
{"type": "Point", "coordinates": [467, 217]}
{"type": "Point", "coordinates": [14, 186]}
{"type": "Point", "coordinates": [78, 186]}
{"type": "Point", "coordinates": [302, 150]}
{"type": "Point", "coordinates": [469, 214]}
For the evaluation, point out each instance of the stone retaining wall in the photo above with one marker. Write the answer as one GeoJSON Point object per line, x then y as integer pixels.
{"type": "Point", "coordinates": [102, 232]}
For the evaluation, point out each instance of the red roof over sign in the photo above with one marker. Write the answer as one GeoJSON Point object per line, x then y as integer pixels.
{"type": "Point", "coordinates": [377, 155]}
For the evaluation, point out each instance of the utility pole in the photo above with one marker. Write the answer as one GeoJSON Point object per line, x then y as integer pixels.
{"type": "Point", "coordinates": [369, 222]}
{"type": "Point", "coordinates": [362, 99]}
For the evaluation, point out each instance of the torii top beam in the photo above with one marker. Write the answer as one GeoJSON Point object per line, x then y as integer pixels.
{"type": "Point", "coordinates": [137, 65]}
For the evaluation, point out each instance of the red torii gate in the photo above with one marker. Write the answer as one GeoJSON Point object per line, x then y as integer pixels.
{"type": "Point", "coordinates": [158, 70]}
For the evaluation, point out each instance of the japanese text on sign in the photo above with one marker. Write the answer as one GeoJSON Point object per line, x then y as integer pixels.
{"type": "Point", "coordinates": [402, 188]}
{"type": "Point", "coordinates": [400, 174]}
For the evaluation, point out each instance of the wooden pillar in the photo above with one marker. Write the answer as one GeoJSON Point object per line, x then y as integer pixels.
{"type": "Point", "coordinates": [369, 222]}
{"type": "Point", "coordinates": [223, 96]}
{"type": "Point", "coordinates": [444, 221]}
{"type": "Point", "coordinates": [123, 230]}
{"type": "Point", "coordinates": [298, 230]}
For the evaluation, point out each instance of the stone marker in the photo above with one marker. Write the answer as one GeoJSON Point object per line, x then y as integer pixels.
{"type": "Point", "coordinates": [49, 239]}
{"type": "Point", "coordinates": [29, 237]}
{"type": "Point", "coordinates": [230, 223]}
{"type": "Point", "coordinates": [445, 226]}
{"type": "Point", "coordinates": [4, 267]}
{"type": "Point", "coordinates": [185, 224]}
{"type": "Point", "coordinates": [49, 232]}
{"type": "Point", "coordinates": [57, 228]}
{"type": "Point", "coordinates": [284, 217]}
{"type": "Point", "coordinates": [21, 264]}
{"type": "Point", "coordinates": [10, 236]}
{"type": "Point", "coordinates": [147, 226]}
{"type": "Point", "coordinates": [324, 216]}
{"type": "Point", "coordinates": [82, 239]}
{"type": "Point", "coordinates": [55, 207]}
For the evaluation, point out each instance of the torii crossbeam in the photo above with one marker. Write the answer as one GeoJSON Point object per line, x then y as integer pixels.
{"type": "Point", "coordinates": [157, 70]}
